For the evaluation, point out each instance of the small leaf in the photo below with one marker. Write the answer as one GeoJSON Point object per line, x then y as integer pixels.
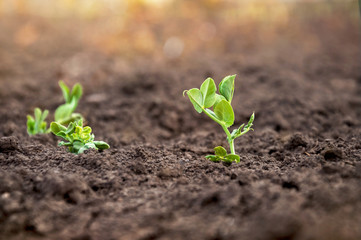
{"type": "Point", "coordinates": [218, 99]}
{"type": "Point", "coordinates": [70, 129]}
{"type": "Point", "coordinates": [30, 125]}
{"type": "Point", "coordinates": [236, 132]}
{"type": "Point", "coordinates": [226, 87]}
{"type": "Point", "coordinates": [74, 117]}
{"type": "Point", "coordinates": [43, 127]}
{"type": "Point", "coordinates": [44, 115]}
{"type": "Point", "coordinates": [101, 145]}
{"type": "Point", "coordinates": [77, 91]}
{"type": "Point", "coordinates": [87, 129]}
{"type": "Point", "coordinates": [64, 111]}
{"type": "Point", "coordinates": [195, 96]}
{"type": "Point", "coordinates": [76, 146]}
{"type": "Point", "coordinates": [208, 90]}
{"type": "Point", "coordinates": [220, 151]}
{"type": "Point", "coordinates": [37, 114]}
{"type": "Point", "coordinates": [65, 90]}
{"type": "Point", "coordinates": [224, 112]}
{"type": "Point", "coordinates": [213, 158]}
{"type": "Point", "coordinates": [79, 122]}
{"type": "Point", "coordinates": [56, 128]}
{"type": "Point", "coordinates": [250, 122]}
{"type": "Point", "coordinates": [233, 157]}
{"type": "Point", "coordinates": [86, 147]}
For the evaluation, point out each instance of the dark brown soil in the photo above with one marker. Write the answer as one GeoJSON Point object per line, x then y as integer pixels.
{"type": "Point", "coordinates": [300, 170]}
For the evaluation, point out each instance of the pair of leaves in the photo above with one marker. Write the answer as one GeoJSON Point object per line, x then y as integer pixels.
{"type": "Point", "coordinates": [79, 138]}
{"type": "Point", "coordinates": [76, 92]}
{"type": "Point", "coordinates": [64, 114]}
{"type": "Point", "coordinates": [206, 97]}
{"type": "Point", "coordinates": [37, 124]}
{"type": "Point", "coordinates": [243, 129]}
{"type": "Point", "coordinates": [221, 155]}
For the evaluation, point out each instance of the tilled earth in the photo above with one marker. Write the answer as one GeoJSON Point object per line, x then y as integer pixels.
{"type": "Point", "coordinates": [300, 170]}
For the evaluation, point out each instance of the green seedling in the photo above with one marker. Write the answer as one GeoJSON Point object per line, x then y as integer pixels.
{"type": "Point", "coordinates": [78, 138]}
{"type": "Point", "coordinates": [205, 98]}
{"type": "Point", "coordinates": [64, 114]}
{"type": "Point", "coordinates": [37, 124]}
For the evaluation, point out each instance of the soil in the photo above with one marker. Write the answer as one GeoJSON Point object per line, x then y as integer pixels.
{"type": "Point", "coordinates": [300, 170]}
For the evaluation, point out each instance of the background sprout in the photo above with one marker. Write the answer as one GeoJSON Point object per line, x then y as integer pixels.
{"type": "Point", "coordinates": [64, 114]}
{"type": "Point", "coordinates": [37, 124]}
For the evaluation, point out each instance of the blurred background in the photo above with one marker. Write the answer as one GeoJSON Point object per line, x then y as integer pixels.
{"type": "Point", "coordinates": [171, 29]}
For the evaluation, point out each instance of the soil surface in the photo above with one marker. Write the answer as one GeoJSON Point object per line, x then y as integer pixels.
{"type": "Point", "coordinates": [300, 170]}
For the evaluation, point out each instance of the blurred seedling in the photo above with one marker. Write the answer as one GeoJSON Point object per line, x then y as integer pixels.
{"type": "Point", "coordinates": [64, 114]}
{"type": "Point", "coordinates": [205, 98]}
{"type": "Point", "coordinates": [37, 124]}
{"type": "Point", "coordinates": [78, 138]}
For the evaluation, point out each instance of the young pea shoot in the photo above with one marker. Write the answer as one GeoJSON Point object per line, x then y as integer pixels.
{"type": "Point", "coordinates": [37, 124]}
{"type": "Point", "coordinates": [78, 138]}
{"type": "Point", "coordinates": [205, 98]}
{"type": "Point", "coordinates": [64, 114]}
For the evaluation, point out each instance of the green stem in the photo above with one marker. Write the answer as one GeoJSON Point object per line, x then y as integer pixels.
{"type": "Point", "coordinates": [230, 142]}
{"type": "Point", "coordinates": [225, 129]}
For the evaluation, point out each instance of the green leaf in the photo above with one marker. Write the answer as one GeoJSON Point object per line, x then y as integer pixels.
{"type": "Point", "coordinates": [72, 118]}
{"type": "Point", "coordinates": [218, 99]}
{"type": "Point", "coordinates": [236, 132]}
{"type": "Point", "coordinates": [101, 145]}
{"type": "Point", "coordinates": [30, 125]}
{"type": "Point", "coordinates": [37, 114]}
{"type": "Point", "coordinates": [220, 151]}
{"type": "Point", "coordinates": [213, 158]}
{"type": "Point", "coordinates": [36, 124]}
{"type": "Point", "coordinates": [76, 146]}
{"type": "Point", "coordinates": [44, 115]}
{"type": "Point", "coordinates": [233, 157]}
{"type": "Point", "coordinates": [208, 90]}
{"type": "Point", "coordinates": [226, 87]}
{"type": "Point", "coordinates": [64, 111]}
{"type": "Point", "coordinates": [195, 96]}
{"type": "Point", "coordinates": [250, 122]}
{"type": "Point", "coordinates": [224, 112]}
{"type": "Point", "coordinates": [86, 130]}
{"type": "Point", "coordinates": [71, 128]}
{"type": "Point", "coordinates": [56, 128]}
{"type": "Point", "coordinates": [86, 147]}
{"type": "Point", "coordinates": [79, 122]}
{"type": "Point", "coordinates": [239, 132]}
{"type": "Point", "coordinates": [77, 91]}
{"type": "Point", "coordinates": [66, 91]}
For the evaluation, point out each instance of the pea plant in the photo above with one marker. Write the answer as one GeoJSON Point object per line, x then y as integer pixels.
{"type": "Point", "coordinates": [37, 124]}
{"type": "Point", "coordinates": [205, 98]}
{"type": "Point", "coordinates": [64, 114]}
{"type": "Point", "coordinates": [78, 138]}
